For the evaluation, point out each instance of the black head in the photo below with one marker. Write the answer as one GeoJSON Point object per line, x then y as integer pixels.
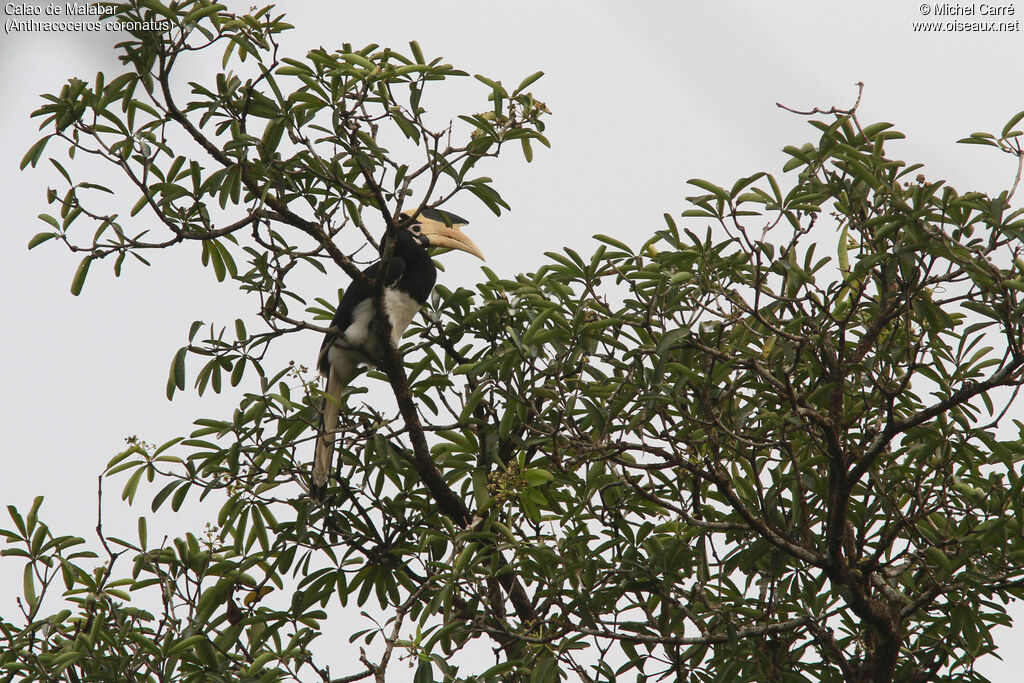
{"type": "Point", "coordinates": [436, 228]}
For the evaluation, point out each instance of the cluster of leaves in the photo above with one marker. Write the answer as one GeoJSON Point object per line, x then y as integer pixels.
{"type": "Point", "coordinates": [296, 144]}
{"type": "Point", "coordinates": [101, 634]}
{"type": "Point", "coordinates": [765, 461]}
{"type": "Point", "coordinates": [269, 168]}
{"type": "Point", "coordinates": [720, 455]}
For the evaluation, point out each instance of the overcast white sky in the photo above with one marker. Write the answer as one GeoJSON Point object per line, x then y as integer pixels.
{"type": "Point", "coordinates": [643, 95]}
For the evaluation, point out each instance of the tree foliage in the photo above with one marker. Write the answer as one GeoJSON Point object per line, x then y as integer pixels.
{"type": "Point", "coordinates": [736, 452]}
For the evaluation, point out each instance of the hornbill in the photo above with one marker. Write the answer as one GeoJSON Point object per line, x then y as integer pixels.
{"type": "Point", "coordinates": [353, 338]}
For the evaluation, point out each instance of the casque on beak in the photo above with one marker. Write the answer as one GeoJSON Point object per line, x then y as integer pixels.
{"type": "Point", "coordinates": [441, 229]}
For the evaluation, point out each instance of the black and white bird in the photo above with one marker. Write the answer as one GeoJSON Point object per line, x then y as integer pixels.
{"type": "Point", "coordinates": [353, 339]}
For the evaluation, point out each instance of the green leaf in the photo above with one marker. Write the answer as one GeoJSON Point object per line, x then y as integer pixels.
{"type": "Point", "coordinates": [194, 16]}
{"type": "Point", "coordinates": [424, 672]}
{"type": "Point", "coordinates": [1014, 120]}
{"type": "Point", "coordinates": [537, 477]}
{"type": "Point", "coordinates": [39, 238]}
{"type": "Point", "coordinates": [545, 671]}
{"type": "Point", "coordinates": [611, 241]}
{"type": "Point", "coordinates": [139, 205]}
{"type": "Point", "coordinates": [273, 134]}
{"type": "Point", "coordinates": [259, 662]}
{"type": "Point", "coordinates": [158, 8]}
{"type": "Point", "coordinates": [176, 377]}
{"type": "Point", "coordinates": [680, 278]}
{"type": "Point", "coordinates": [46, 218]}
{"type": "Point", "coordinates": [80, 273]}
{"type": "Point", "coordinates": [34, 153]}
{"type": "Point", "coordinates": [719, 192]}
{"type": "Point", "coordinates": [219, 270]}
{"type": "Point", "coordinates": [527, 82]}
{"type": "Point", "coordinates": [417, 53]}
{"type": "Point", "coordinates": [494, 85]}
{"type": "Point", "coordinates": [844, 251]}
{"type": "Point", "coordinates": [358, 59]}
{"type": "Point", "coordinates": [527, 150]}
{"type": "Point", "coordinates": [873, 130]}
{"type": "Point", "coordinates": [132, 485]}
{"type": "Point", "coordinates": [29, 585]}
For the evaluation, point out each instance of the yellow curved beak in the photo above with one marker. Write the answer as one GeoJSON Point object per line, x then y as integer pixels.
{"type": "Point", "coordinates": [442, 230]}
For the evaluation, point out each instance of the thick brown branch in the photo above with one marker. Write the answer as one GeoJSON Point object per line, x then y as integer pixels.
{"type": "Point", "coordinates": [447, 500]}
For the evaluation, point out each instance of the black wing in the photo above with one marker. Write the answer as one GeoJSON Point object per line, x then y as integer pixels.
{"type": "Point", "coordinates": [355, 294]}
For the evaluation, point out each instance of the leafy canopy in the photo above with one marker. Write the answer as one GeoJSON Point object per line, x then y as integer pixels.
{"type": "Point", "coordinates": [741, 451]}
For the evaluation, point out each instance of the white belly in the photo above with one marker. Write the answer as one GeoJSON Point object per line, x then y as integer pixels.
{"type": "Point", "coordinates": [401, 308]}
{"type": "Point", "coordinates": [359, 336]}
